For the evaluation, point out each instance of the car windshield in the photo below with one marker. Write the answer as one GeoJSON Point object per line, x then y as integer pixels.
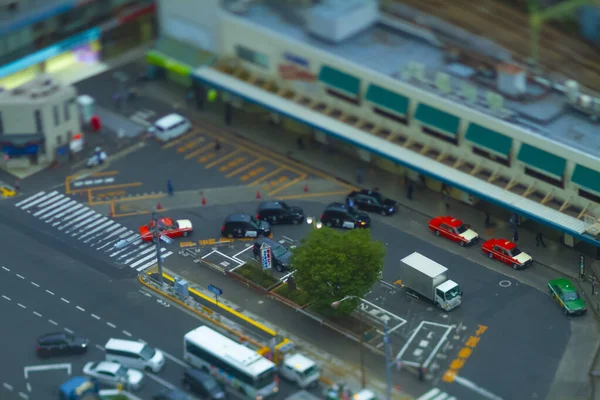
{"type": "Point", "coordinates": [353, 212]}
{"type": "Point", "coordinates": [284, 205]}
{"type": "Point", "coordinates": [452, 293]}
{"type": "Point", "coordinates": [571, 296]}
{"type": "Point", "coordinates": [515, 252]}
{"type": "Point", "coordinates": [122, 371]}
{"type": "Point", "coordinates": [147, 352]}
{"type": "Point", "coordinates": [254, 221]}
{"type": "Point", "coordinates": [310, 371]}
{"type": "Point", "coordinates": [265, 379]}
{"type": "Point", "coordinates": [279, 251]}
{"type": "Point", "coordinates": [462, 229]}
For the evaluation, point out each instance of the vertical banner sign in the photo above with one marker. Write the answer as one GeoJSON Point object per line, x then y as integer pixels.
{"type": "Point", "coordinates": [265, 256]}
{"type": "Point", "coordinates": [582, 266]}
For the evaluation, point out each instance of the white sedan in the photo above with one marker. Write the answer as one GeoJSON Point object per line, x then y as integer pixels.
{"type": "Point", "coordinates": [112, 373]}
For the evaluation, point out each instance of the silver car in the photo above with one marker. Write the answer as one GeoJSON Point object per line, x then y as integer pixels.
{"type": "Point", "coordinates": [112, 373]}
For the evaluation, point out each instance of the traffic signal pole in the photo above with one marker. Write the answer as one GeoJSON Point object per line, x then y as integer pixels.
{"type": "Point", "coordinates": [156, 239]}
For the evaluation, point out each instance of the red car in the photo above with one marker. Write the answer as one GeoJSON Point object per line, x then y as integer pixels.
{"type": "Point", "coordinates": [507, 252]}
{"type": "Point", "coordinates": [453, 229]}
{"type": "Point", "coordinates": [167, 227]}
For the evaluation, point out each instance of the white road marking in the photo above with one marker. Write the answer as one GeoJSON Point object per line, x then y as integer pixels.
{"type": "Point", "coordinates": [24, 206]}
{"type": "Point", "coordinates": [59, 209]}
{"type": "Point", "coordinates": [95, 316]}
{"type": "Point", "coordinates": [430, 395]}
{"type": "Point", "coordinates": [7, 387]}
{"type": "Point", "coordinates": [37, 313]}
{"type": "Point", "coordinates": [28, 386]}
{"type": "Point", "coordinates": [69, 330]}
{"type": "Point", "coordinates": [23, 396]}
{"type": "Point", "coordinates": [160, 381]}
{"type": "Point", "coordinates": [35, 284]}
{"type": "Point", "coordinates": [48, 367]}
{"type": "Point", "coordinates": [127, 334]}
{"type": "Point", "coordinates": [6, 297]}
{"type": "Point", "coordinates": [53, 322]}
{"type": "Point", "coordinates": [153, 261]}
{"type": "Point", "coordinates": [22, 306]}
{"type": "Point", "coordinates": [173, 358]}
{"type": "Point", "coordinates": [80, 308]}
{"type": "Point", "coordinates": [243, 251]}
{"type": "Point", "coordinates": [65, 300]}
{"type": "Point", "coordinates": [20, 276]}
{"type": "Point", "coordinates": [35, 196]}
{"type": "Point", "coordinates": [43, 211]}
{"type": "Point", "coordinates": [111, 325]}
{"type": "Point", "coordinates": [470, 385]}
{"type": "Point", "coordinates": [49, 292]}
{"type": "Point", "coordinates": [6, 269]}
{"type": "Point", "coordinates": [99, 347]}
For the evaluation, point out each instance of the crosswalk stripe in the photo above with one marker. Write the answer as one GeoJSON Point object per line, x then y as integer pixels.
{"type": "Point", "coordinates": [86, 213]}
{"type": "Point", "coordinates": [51, 200]}
{"type": "Point", "coordinates": [154, 261]}
{"type": "Point", "coordinates": [35, 196]}
{"type": "Point", "coordinates": [100, 229]}
{"type": "Point", "coordinates": [81, 225]}
{"type": "Point", "coordinates": [50, 207]}
{"type": "Point", "coordinates": [94, 225]}
{"type": "Point", "coordinates": [37, 201]}
{"type": "Point", "coordinates": [59, 209]}
{"type": "Point", "coordinates": [430, 395]}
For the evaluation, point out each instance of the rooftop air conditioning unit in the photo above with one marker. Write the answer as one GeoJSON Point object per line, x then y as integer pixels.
{"type": "Point", "coordinates": [592, 225]}
{"type": "Point", "coordinates": [469, 92]}
{"type": "Point", "coordinates": [442, 82]}
{"type": "Point", "coordinates": [572, 90]}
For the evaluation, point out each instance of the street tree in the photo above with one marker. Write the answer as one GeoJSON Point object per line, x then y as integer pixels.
{"type": "Point", "coordinates": [332, 264]}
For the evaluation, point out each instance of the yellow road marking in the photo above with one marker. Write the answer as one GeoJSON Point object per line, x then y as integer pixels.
{"type": "Point", "coordinates": [111, 194]}
{"type": "Point", "coordinates": [270, 174]}
{"type": "Point", "coordinates": [128, 199]}
{"type": "Point", "coordinates": [232, 164]}
{"type": "Point", "coordinates": [287, 185]}
{"type": "Point", "coordinates": [272, 184]}
{"type": "Point", "coordinates": [105, 173]}
{"type": "Point", "coordinates": [198, 151]}
{"type": "Point", "coordinates": [206, 157]}
{"type": "Point", "coordinates": [191, 144]}
{"type": "Point", "coordinates": [119, 186]}
{"type": "Point", "coordinates": [306, 195]}
{"type": "Point", "coordinates": [186, 244]}
{"type": "Point", "coordinates": [220, 160]}
{"type": "Point", "coordinates": [245, 167]}
{"type": "Point", "coordinates": [252, 173]}
{"type": "Point", "coordinates": [131, 214]}
{"type": "Point", "coordinates": [183, 138]}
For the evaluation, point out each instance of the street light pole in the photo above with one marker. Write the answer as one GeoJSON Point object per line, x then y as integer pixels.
{"type": "Point", "coordinates": [156, 239]}
{"type": "Point", "coordinates": [336, 304]}
{"type": "Point", "coordinates": [388, 362]}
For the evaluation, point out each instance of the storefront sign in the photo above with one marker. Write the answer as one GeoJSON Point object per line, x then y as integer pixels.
{"type": "Point", "coordinates": [49, 52]}
{"type": "Point", "coordinates": [294, 59]}
{"type": "Point", "coordinates": [292, 72]}
{"type": "Point", "coordinates": [158, 59]}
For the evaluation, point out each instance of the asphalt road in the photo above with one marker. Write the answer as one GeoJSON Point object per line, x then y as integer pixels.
{"type": "Point", "coordinates": [69, 294]}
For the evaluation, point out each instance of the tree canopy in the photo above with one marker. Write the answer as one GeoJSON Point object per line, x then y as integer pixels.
{"type": "Point", "coordinates": [332, 264]}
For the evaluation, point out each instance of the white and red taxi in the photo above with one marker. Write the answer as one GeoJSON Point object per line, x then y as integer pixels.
{"type": "Point", "coordinates": [167, 227]}
{"type": "Point", "coordinates": [453, 229]}
{"type": "Point", "coordinates": [507, 252]}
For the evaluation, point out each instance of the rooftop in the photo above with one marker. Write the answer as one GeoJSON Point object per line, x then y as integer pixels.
{"type": "Point", "coordinates": [388, 50]}
{"type": "Point", "coordinates": [38, 89]}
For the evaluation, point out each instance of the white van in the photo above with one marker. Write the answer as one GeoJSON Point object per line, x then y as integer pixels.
{"type": "Point", "coordinates": [170, 127]}
{"type": "Point", "coordinates": [132, 354]}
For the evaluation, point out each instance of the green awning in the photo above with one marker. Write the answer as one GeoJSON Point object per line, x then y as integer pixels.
{"type": "Point", "coordinates": [489, 139]}
{"type": "Point", "coordinates": [542, 160]}
{"type": "Point", "coordinates": [587, 178]}
{"type": "Point", "coordinates": [340, 80]}
{"type": "Point", "coordinates": [177, 56]}
{"type": "Point", "coordinates": [437, 119]}
{"type": "Point", "coordinates": [162, 60]}
{"type": "Point", "coordinates": [386, 99]}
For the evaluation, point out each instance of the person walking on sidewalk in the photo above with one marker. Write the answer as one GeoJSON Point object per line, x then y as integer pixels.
{"type": "Point", "coordinates": [446, 195]}
{"type": "Point", "coordinates": [539, 240]}
{"type": "Point", "coordinates": [170, 190]}
{"type": "Point", "coordinates": [487, 223]}
{"type": "Point", "coordinates": [409, 190]}
{"type": "Point", "coordinates": [516, 236]}
{"type": "Point", "coordinates": [217, 145]}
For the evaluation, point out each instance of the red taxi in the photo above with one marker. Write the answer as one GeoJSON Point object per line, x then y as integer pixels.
{"type": "Point", "coordinates": [167, 227]}
{"type": "Point", "coordinates": [453, 229]}
{"type": "Point", "coordinates": [507, 252]}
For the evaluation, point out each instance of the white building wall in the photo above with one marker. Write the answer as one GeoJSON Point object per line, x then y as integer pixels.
{"type": "Point", "coordinates": [185, 20]}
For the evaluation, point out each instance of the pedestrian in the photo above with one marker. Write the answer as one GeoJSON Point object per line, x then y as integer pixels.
{"type": "Point", "coordinates": [228, 113]}
{"type": "Point", "coordinates": [446, 194]}
{"type": "Point", "coordinates": [170, 188]}
{"type": "Point", "coordinates": [409, 191]}
{"type": "Point", "coordinates": [487, 221]}
{"type": "Point", "coordinates": [516, 236]}
{"type": "Point", "coordinates": [359, 176]}
{"type": "Point", "coordinates": [514, 220]}
{"type": "Point", "coordinates": [539, 240]}
{"type": "Point", "coordinates": [349, 203]}
{"type": "Point", "coordinates": [300, 143]}
{"type": "Point", "coordinates": [217, 145]}
{"type": "Point", "coordinates": [421, 372]}
{"type": "Point", "coordinates": [18, 187]}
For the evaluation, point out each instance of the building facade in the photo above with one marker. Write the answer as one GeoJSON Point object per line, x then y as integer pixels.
{"type": "Point", "coordinates": [38, 121]}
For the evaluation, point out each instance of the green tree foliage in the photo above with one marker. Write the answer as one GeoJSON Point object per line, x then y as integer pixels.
{"type": "Point", "coordinates": [332, 264]}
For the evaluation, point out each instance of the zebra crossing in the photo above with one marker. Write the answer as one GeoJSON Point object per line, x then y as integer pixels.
{"type": "Point", "coordinates": [436, 394]}
{"type": "Point", "coordinates": [75, 220]}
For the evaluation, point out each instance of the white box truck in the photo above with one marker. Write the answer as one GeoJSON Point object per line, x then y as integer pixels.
{"type": "Point", "coordinates": [429, 279]}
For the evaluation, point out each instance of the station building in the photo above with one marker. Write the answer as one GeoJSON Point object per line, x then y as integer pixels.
{"type": "Point", "coordinates": [400, 97]}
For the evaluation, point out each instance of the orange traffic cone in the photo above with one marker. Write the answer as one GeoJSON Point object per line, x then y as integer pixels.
{"type": "Point", "coordinates": [306, 187]}
{"type": "Point", "coordinates": [257, 195]}
{"type": "Point", "coordinates": [203, 200]}
{"type": "Point", "coordinates": [158, 206]}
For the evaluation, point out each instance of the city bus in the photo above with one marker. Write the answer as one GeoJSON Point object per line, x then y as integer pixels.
{"type": "Point", "coordinates": [230, 362]}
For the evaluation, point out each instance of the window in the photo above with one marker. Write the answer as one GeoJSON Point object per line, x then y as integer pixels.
{"type": "Point", "coordinates": [69, 136]}
{"type": "Point", "coordinates": [341, 96]}
{"type": "Point", "coordinates": [56, 116]}
{"type": "Point", "coordinates": [217, 362]}
{"type": "Point", "coordinates": [544, 177]}
{"type": "Point", "coordinates": [590, 196]}
{"type": "Point", "coordinates": [252, 56]}
{"type": "Point", "coordinates": [398, 118]}
{"type": "Point", "coordinates": [67, 110]}
{"type": "Point", "coordinates": [491, 156]}
{"type": "Point", "coordinates": [38, 122]}
{"type": "Point", "coordinates": [441, 136]}
{"type": "Point", "coordinates": [59, 140]}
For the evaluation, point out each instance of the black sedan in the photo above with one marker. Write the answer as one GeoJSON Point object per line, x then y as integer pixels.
{"type": "Point", "coordinates": [60, 344]}
{"type": "Point", "coordinates": [279, 212]}
{"type": "Point", "coordinates": [370, 200]}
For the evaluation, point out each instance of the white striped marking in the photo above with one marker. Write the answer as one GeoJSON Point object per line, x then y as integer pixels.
{"type": "Point", "coordinates": [37, 313]}
{"type": "Point", "coordinates": [35, 196]}
{"type": "Point", "coordinates": [49, 292]}
{"type": "Point", "coordinates": [65, 300]}
{"type": "Point", "coordinates": [37, 201]}
{"type": "Point", "coordinates": [111, 325]}
{"type": "Point", "coordinates": [23, 396]}
{"type": "Point", "coordinates": [98, 222]}
{"type": "Point", "coordinates": [95, 316]}
{"type": "Point", "coordinates": [87, 214]}
{"type": "Point", "coordinates": [53, 322]}
{"type": "Point", "coordinates": [6, 297]}
{"type": "Point", "coordinates": [80, 308]}
{"type": "Point", "coordinates": [6, 269]}
{"type": "Point", "coordinates": [35, 284]}
{"type": "Point", "coordinates": [146, 251]}
{"type": "Point", "coordinates": [154, 261]}
{"type": "Point", "coordinates": [50, 207]}
{"type": "Point", "coordinates": [22, 306]}
{"type": "Point", "coordinates": [68, 330]}
{"type": "Point", "coordinates": [59, 209]}
{"type": "Point", "coordinates": [103, 226]}
{"type": "Point", "coordinates": [430, 395]}
{"type": "Point", "coordinates": [7, 387]}
{"type": "Point", "coordinates": [77, 228]}
{"type": "Point", "coordinates": [51, 200]}
{"type": "Point", "coordinates": [77, 210]}
{"type": "Point", "coordinates": [20, 276]}
{"type": "Point", "coordinates": [99, 347]}
{"type": "Point", "coordinates": [127, 334]}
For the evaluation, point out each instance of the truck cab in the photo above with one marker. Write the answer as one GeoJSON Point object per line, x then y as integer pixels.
{"type": "Point", "coordinates": [301, 370]}
{"type": "Point", "coordinates": [448, 295]}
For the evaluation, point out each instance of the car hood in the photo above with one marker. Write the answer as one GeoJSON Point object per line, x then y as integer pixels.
{"type": "Point", "coordinates": [264, 225]}
{"type": "Point", "coordinates": [469, 235]}
{"type": "Point", "coordinates": [575, 305]}
{"type": "Point", "coordinates": [285, 258]}
{"type": "Point", "coordinates": [80, 342]}
{"type": "Point", "coordinates": [184, 224]}
{"type": "Point", "coordinates": [296, 210]}
{"type": "Point", "coordinates": [389, 202]}
{"type": "Point", "coordinates": [523, 258]}
{"type": "Point", "coordinates": [134, 376]}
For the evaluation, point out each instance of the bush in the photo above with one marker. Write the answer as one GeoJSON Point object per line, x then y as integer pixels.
{"type": "Point", "coordinates": [297, 296]}
{"type": "Point", "coordinates": [254, 273]}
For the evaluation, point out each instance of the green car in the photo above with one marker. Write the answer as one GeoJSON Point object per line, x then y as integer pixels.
{"type": "Point", "coordinates": [563, 291]}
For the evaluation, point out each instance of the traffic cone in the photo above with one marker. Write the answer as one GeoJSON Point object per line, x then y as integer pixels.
{"type": "Point", "coordinates": [159, 206]}
{"type": "Point", "coordinates": [257, 195]}
{"type": "Point", "coordinates": [203, 200]}
{"type": "Point", "coordinates": [306, 187]}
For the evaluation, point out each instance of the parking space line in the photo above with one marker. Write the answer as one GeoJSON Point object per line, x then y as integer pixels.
{"type": "Point", "coordinates": [199, 151]}
{"type": "Point", "coordinates": [236, 162]}
{"type": "Point", "coordinates": [191, 144]}
{"type": "Point", "coordinates": [224, 158]}
{"type": "Point", "coordinates": [264, 177]}
{"type": "Point", "coordinates": [245, 167]}
{"type": "Point", "coordinates": [306, 195]}
{"type": "Point", "coordinates": [246, 249]}
{"type": "Point", "coordinates": [206, 157]}
{"type": "Point", "coordinates": [183, 138]}
{"type": "Point", "coordinates": [288, 184]}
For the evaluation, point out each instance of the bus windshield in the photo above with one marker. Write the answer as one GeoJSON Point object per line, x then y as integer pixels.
{"type": "Point", "coordinates": [265, 379]}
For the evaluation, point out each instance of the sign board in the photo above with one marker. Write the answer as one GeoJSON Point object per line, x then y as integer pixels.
{"type": "Point", "coordinates": [215, 290]}
{"type": "Point", "coordinates": [166, 239]}
{"type": "Point", "coordinates": [582, 266]}
{"type": "Point", "coordinates": [265, 256]}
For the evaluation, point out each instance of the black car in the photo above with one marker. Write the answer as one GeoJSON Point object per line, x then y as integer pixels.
{"type": "Point", "coordinates": [280, 256]}
{"type": "Point", "coordinates": [244, 226]}
{"type": "Point", "coordinates": [339, 215]}
{"type": "Point", "coordinates": [369, 200]}
{"type": "Point", "coordinates": [60, 344]}
{"type": "Point", "coordinates": [203, 384]}
{"type": "Point", "coordinates": [171, 394]}
{"type": "Point", "coordinates": [278, 212]}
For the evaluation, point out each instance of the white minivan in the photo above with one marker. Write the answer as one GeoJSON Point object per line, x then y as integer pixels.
{"type": "Point", "coordinates": [132, 354]}
{"type": "Point", "coordinates": [170, 127]}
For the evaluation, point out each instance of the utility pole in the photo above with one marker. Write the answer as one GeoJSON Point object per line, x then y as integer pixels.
{"type": "Point", "coordinates": [156, 237]}
{"type": "Point", "coordinates": [388, 362]}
